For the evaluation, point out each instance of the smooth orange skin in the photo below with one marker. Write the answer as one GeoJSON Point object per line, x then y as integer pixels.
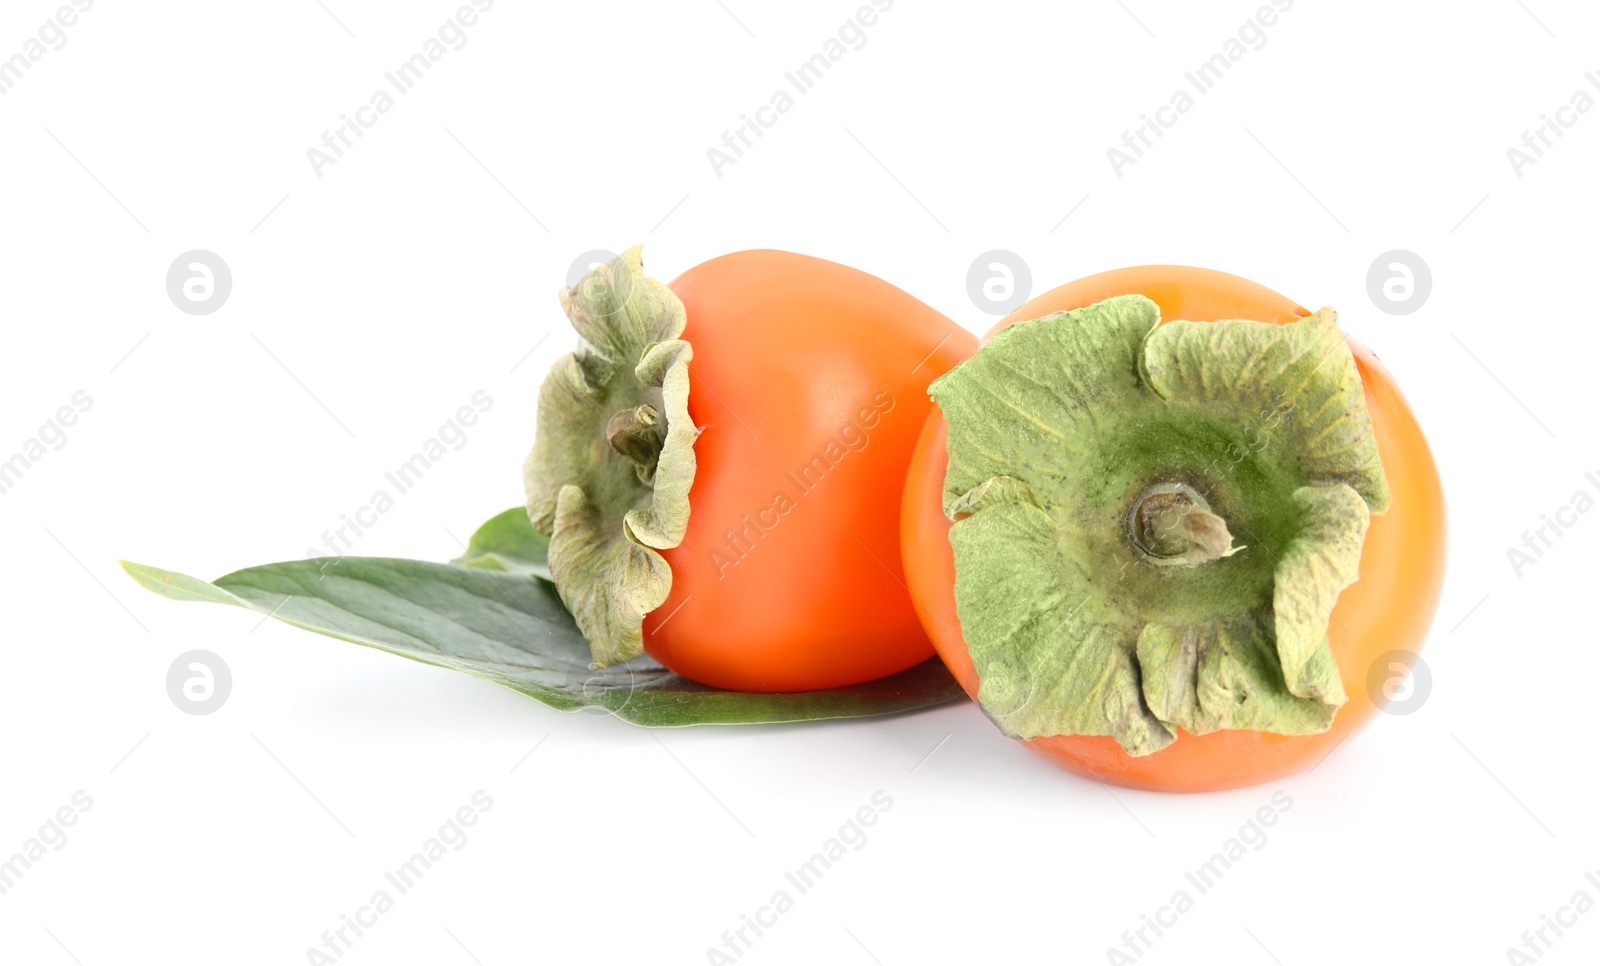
{"type": "Point", "coordinates": [788, 352]}
{"type": "Point", "coordinates": [1389, 608]}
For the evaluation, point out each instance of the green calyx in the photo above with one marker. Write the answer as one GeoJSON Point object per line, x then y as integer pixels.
{"type": "Point", "coordinates": [609, 475]}
{"type": "Point", "coordinates": [1154, 522]}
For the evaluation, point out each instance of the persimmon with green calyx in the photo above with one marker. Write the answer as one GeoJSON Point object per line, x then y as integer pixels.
{"type": "Point", "coordinates": [1164, 522]}
{"type": "Point", "coordinates": [719, 468]}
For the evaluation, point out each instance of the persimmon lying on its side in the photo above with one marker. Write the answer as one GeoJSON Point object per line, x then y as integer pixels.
{"type": "Point", "coordinates": [1178, 546]}
{"type": "Point", "coordinates": [726, 455]}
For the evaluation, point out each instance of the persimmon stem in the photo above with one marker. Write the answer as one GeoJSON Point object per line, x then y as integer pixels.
{"type": "Point", "coordinates": [1174, 525]}
{"type": "Point", "coordinates": [638, 435]}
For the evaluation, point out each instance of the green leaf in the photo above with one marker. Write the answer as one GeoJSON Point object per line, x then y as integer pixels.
{"type": "Point", "coordinates": [508, 541]}
{"type": "Point", "coordinates": [511, 629]}
{"type": "Point", "coordinates": [1102, 466]}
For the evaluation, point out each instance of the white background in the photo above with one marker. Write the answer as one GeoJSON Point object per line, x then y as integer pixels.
{"type": "Point", "coordinates": [370, 303]}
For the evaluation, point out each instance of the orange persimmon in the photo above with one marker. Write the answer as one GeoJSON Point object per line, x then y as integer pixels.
{"type": "Point", "coordinates": [720, 467]}
{"type": "Point", "coordinates": [1388, 608]}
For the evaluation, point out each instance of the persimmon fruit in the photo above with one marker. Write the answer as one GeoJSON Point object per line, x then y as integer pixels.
{"type": "Point", "coordinates": [1202, 668]}
{"type": "Point", "coordinates": [720, 466]}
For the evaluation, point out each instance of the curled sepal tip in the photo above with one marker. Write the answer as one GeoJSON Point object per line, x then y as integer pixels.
{"type": "Point", "coordinates": [613, 460]}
